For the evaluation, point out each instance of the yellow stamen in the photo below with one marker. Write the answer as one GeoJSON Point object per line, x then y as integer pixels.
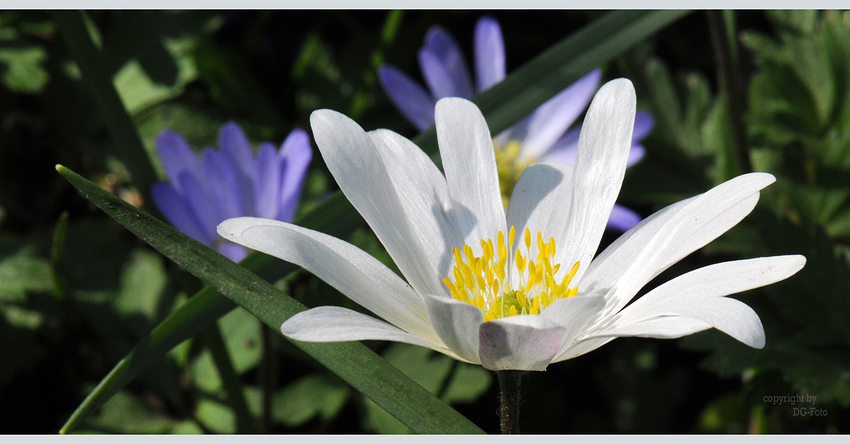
{"type": "Point", "coordinates": [509, 167]}
{"type": "Point", "coordinates": [485, 282]}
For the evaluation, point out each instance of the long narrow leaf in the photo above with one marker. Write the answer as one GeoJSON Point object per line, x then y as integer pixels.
{"type": "Point", "coordinates": [540, 79]}
{"type": "Point", "coordinates": [518, 95]}
{"type": "Point", "coordinates": [352, 361]}
{"type": "Point", "coordinates": [334, 216]}
{"type": "Point", "coordinates": [559, 66]}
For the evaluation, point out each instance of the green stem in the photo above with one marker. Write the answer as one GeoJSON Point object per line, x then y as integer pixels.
{"type": "Point", "coordinates": [509, 385]}
{"type": "Point", "coordinates": [244, 421]}
{"type": "Point", "coordinates": [730, 84]}
{"type": "Point", "coordinates": [447, 381]}
{"type": "Point", "coordinates": [267, 379]}
{"type": "Point", "coordinates": [57, 275]}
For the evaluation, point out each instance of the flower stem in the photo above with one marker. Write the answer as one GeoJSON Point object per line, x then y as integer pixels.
{"type": "Point", "coordinates": [730, 84]}
{"type": "Point", "coordinates": [267, 377]}
{"type": "Point", "coordinates": [509, 383]}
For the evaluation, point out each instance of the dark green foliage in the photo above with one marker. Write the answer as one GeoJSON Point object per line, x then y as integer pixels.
{"type": "Point", "coordinates": [83, 301]}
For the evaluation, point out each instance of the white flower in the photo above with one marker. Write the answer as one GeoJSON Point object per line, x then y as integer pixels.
{"type": "Point", "coordinates": [448, 234]}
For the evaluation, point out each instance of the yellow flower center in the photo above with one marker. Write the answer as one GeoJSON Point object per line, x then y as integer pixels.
{"type": "Point", "coordinates": [509, 167]}
{"type": "Point", "coordinates": [486, 281]}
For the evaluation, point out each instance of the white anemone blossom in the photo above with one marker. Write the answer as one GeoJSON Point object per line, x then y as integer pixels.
{"type": "Point", "coordinates": [516, 289]}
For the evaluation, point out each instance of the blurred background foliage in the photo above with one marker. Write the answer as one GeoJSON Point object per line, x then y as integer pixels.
{"type": "Point", "coordinates": [77, 291]}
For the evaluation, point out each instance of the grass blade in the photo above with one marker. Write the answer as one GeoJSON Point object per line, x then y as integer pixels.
{"type": "Point", "coordinates": [503, 105]}
{"type": "Point", "coordinates": [352, 361]}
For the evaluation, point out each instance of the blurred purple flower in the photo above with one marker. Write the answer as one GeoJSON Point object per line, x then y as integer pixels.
{"type": "Point", "coordinates": [544, 136]}
{"type": "Point", "coordinates": [229, 182]}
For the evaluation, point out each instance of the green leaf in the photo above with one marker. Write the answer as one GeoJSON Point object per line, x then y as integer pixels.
{"type": "Point", "coordinates": [437, 373]}
{"type": "Point", "coordinates": [224, 364]}
{"type": "Point", "coordinates": [125, 413]}
{"type": "Point", "coordinates": [308, 397]}
{"type": "Point", "coordinates": [680, 161]}
{"type": "Point", "coordinates": [804, 317]}
{"type": "Point", "coordinates": [242, 339]}
{"type": "Point", "coordinates": [352, 361]}
{"type": "Point", "coordinates": [216, 416]}
{"type": "Point", "coordinates": [150, 54]}
{"type": "Point", "coordinates": [567, 61]}
{"type": "Point", "coordinates": [234, 86]}
{"type": "Point", "coordinates": [467, 384]}
{"type": "Point", "coordinates": [21, 271]}
{"type": "Point", "coordinates": [505, 104]}
{"type": "Point", "coordinates": [143, 281]}
{"type": "Point", "coordinates": [23, 70]}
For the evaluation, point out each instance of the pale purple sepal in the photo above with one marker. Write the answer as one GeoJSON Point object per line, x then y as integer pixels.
{"type": "Point", "coordinates": [622, 218]}
{"type": "Point", "coordinates": [489, 54]}
{"type": "Point", "coordinates": [409, 97]}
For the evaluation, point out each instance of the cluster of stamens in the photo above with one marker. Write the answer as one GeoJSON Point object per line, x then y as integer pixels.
{"type": "Point", "coordinates": [509, 167]}
{"type": "Point", "coordinates": [486, 281]}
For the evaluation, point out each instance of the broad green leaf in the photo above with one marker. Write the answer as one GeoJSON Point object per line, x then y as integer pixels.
{"type": "Point", "coordinates": [804, 317]}
{"type": "Point", "coordinates": [352, 361]}
{"type": "Point", "coordinates": [467, 384]}
{"type": "Point", "coordinates": [308, 397]}
{"type": "Point", "coordinates": [215, 416]}
{"type": "Point", "coordinates": [21, 271]}
{"type": "Point", "coordinates": [143, 281]}
{"type": "Point", "coordinates": [138, 91]}
{"type": "Point", "coordinates": [125, 413]}
{"type": "Point", "coordinates": [242, 339]}
{"type": "Point", "coordinates": [23, 70]}
{"type": "Point", "coordinates": [150, 54]}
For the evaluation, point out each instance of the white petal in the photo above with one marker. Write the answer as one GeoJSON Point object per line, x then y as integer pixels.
{"type": "Point", "coordinates": [337, 324]}
{"type": "Point", "coordinates": [456, 323]}
{"type": "Point", "coordinates": [470, 165]}
{"type": "Point", "coordinates": [603, 149]}
{"type": "Point", "coordinates": [423, 190]}
{"type": "Point", "coordinates": [668, 327]}
{"type": "Point", "coordinates": [730, 316]}
{"type": "Point", "coordinates": [585, 345]}
{"type": "Point", "coordinates": [698, 295]}
{"type": "Point", "coordinates": [362, 175]}
{"type": "Point", "coordinates": [353, 272]}
{"type": "Point", "coordinates": [669, 235]}
{"type": "Point", "coordinates": [524, 342]}
{"type": "Point", "coordinates": [717, 280]}
{"type": "Point", "coordinates": [573, 314]}
{"type": "Point", "coordinates": [540, 202]}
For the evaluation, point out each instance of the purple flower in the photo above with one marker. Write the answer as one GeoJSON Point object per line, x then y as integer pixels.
{"type": "Point", "coordinates": [544, 136]}
{"type": "Point", "coordinates": [229, 182]}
